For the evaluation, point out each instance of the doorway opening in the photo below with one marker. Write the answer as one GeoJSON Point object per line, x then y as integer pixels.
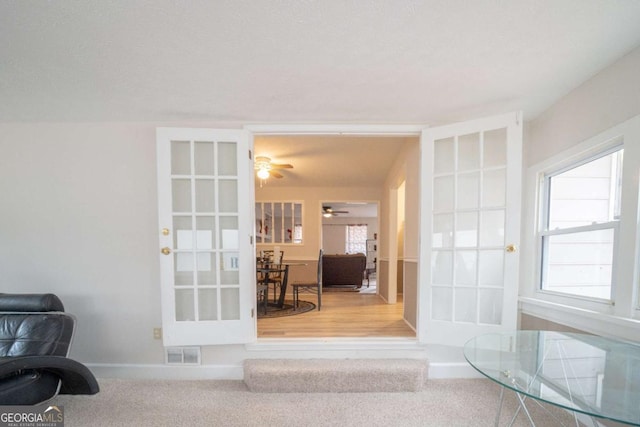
{"type": "Point", "coordinates": [344, 174]}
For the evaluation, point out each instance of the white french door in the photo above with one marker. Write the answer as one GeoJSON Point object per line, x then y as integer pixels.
{"type": "Point", "coordinates": [205, 230]}
{"type": "Point", "coordinates": [470, 226]}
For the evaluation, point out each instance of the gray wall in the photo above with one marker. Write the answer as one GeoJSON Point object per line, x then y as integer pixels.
{"type": "Point", "coordinates": [79, 219]}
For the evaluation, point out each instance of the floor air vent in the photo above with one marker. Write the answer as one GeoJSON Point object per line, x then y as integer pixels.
{"type": "Point", "coordinates": [182, 356]}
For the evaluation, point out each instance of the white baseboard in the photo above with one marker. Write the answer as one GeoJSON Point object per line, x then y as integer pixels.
{"type": "Point", "coordinates": [437, 370]}
{"type": "Point", "coordinates": [167, 372]}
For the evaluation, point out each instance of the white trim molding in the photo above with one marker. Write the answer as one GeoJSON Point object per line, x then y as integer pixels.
{"type": "Point", "coordinates": [166, 372]}
{"type": "Point", "coordinates": [590, 321]}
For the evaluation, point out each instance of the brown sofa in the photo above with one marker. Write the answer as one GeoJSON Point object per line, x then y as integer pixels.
{"type": "Point", "coordinates": [345, 269]}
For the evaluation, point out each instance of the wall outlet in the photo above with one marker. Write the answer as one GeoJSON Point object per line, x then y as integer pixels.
{"type": "Point", "coordinates": [157, 333]}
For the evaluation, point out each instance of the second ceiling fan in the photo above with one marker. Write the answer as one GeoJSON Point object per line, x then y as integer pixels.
{"type": "Point", "coordinates": [327, 212]}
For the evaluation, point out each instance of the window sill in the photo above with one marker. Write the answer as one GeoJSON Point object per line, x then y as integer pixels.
{"type": "Point", "coordinates": [586, 320]}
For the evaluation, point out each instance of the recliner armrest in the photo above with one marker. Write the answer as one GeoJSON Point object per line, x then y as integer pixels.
{"type": "Point", "coordinates": [76, 378]}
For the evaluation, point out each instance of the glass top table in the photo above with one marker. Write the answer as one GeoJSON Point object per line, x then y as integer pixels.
{"type": "Point", "coordinates": [596, 376]}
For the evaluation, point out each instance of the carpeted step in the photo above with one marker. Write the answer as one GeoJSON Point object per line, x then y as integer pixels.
{"type": "Point", "coordinates": [334, 375]}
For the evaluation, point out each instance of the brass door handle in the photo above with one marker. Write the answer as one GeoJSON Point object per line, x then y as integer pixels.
{"type": "Point", "coordinates": [510, 248]}
{"type": "Point", "coordinates": [165, 251]}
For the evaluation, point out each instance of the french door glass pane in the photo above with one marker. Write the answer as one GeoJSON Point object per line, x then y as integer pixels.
{"type": "Point", "coordinates": [442, 303]}
{"type": "Point", "coordinates": [495, 148]}
{"type": "Point", "coordinates": [492, 228]}
{"type": "Point", "coordinates": [442, 267]}
{"type": "Point", "coordinates": [183, 266]}
{"type": "Point", "coordinates": [185, 309]}
{"type": "Point", "coordinates": [230, 301]}
{"type": "Point", "coordinates": [205, 232]}
{"type": "Point", "coordinates": [205, 195]}
{"type": "Point", "coordinates": [468, 152]}
{"type": "Point", "coordinates": [467, 229]}
{"type": "Point", "coordinates": [465, 305]}
{"type": "Point", "coordinates": [443, 193]}
{"type": "Point", "coordinates": [204, 158]}
{"type": "Point", "coordinates": [227, 159]}
{"type": "Point", "coordinates": [494, 188]}
{"type": "Point", "coordinates": [491, 269]}
{"type": "Point", "coordinates": [490, 306]}
{"type": "Point", "coordinates": [182, 232]}
{"type": "Point", "coordinates": [206, 268]}
{"type": "Point", "coordinates": [468, 191]}
{"type": "Point", "coordinates": [444, 156]}
{"type": "Point", "coordinates": [180, 158]}
{"type": "Point", "coordinates": [208, 304]}
{"type": "Point", "coordinates": [442, 231]}
{"type": "Point", "coordinates": [229, 268]}
{"type": "Point", "coordinates": [181, 195]}
{"type": "Point", "coordinates": [466, 267]}
{"type": "Point", "coordinates": [228, 195]}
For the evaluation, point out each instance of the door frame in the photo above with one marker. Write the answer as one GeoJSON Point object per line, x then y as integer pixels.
{"type": "Point", "coordinates": [424, 192]}
{"type": "Point", "coordinates": [346, 130]}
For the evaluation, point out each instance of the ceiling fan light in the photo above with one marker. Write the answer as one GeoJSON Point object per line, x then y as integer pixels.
{"type": "Point", "coordinates": [263, 173]}
{"type": "Point", "coordinates": [327, 215]}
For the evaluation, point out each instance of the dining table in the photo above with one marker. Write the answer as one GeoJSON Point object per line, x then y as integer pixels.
{"type": "Point", "coordinates": [266, 270]}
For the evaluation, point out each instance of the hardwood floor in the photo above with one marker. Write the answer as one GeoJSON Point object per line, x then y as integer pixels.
{"type": "Point", "coordinates": [343, 314]}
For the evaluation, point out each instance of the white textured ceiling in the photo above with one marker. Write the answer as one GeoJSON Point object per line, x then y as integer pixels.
{"type": "Point", "coordinates": [252, 61]}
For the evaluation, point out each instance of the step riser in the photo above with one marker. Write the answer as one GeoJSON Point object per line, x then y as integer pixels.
{"type": "Point", "coordinates": [334, 376]}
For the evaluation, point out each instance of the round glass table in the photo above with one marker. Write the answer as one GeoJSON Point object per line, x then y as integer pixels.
{"type": "Point", "coordinates": [595, 376]}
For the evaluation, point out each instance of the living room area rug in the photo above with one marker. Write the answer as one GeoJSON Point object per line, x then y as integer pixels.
{"type": "Point", "coordinates": [286, 310]}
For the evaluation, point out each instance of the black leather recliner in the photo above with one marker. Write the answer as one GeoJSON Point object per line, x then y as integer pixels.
{"type": "Point", "coordinates": [35, 339]}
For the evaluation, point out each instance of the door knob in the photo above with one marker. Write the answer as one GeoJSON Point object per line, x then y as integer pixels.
{"type": "Point", "coordinates": [510, 248]}
{"type": "Point", "coordinates": [165, 251]}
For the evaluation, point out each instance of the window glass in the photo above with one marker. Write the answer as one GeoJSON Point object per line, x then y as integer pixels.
{"type": "Point", "coordinates": [356, 239]}
{"type": "Point", "coordinates": [583, 212]}
{"type": "Point", "coordinates": [586, 194]}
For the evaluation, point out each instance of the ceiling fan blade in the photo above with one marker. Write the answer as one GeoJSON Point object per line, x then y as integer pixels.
{"type": "Point", "coordinates": [275, 174]}
{"type": "Point", "coordinates": [281, 166]}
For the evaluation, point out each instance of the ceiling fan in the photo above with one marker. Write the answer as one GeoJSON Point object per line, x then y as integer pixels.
{"type": "Point", "coordinates": [327, 212]}
{"type": "Point", "coordinates": [265, 168]}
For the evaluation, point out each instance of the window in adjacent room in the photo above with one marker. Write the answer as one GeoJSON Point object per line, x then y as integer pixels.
{"type": "Point", "coordinates": [580, 221]}
{"type": "Point", "coordinates": [279, 222]}
{"type": "Point", "coordinates": [356, 242]}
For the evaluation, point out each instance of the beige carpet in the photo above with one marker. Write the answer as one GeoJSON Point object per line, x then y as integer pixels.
{"type": "Point", "coordinates": [334, 375]}
{"type": "Point", "coordinates": [229, 403]}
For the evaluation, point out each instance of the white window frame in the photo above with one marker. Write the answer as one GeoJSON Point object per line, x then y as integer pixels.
{"type": "Point", "coordinates": [545, 232]}
{"type": "Point", "coordinates": [619, 319]}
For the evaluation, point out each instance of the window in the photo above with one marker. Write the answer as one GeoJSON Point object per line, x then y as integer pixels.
{"type": "Point", "coordinates": [356, 242]}
{"type": "Point", "coordinates": [279, 222]}
{"type": "Point", "coordinates": [581, 216]}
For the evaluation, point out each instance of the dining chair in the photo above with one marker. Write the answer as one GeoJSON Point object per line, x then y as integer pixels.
{"type": "Point", "coordinates": [275, 277]}
{"type": "Point", "coordinates": [309, 287]}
